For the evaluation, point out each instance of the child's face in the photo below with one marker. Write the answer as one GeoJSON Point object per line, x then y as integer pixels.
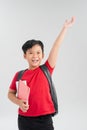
{"type": "Point", "coordinates": [34, 56]}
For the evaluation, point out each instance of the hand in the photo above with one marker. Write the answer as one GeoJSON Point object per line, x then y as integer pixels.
{"type": "Point", "coordinates": [23, 105]}
{"type": "Point", "coordinates": [69, 23]}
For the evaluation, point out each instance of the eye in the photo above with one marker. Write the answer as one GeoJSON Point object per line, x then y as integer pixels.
{"type": "Point", "coordinates": [30, 53]}
{"type": "Point", "coordinates": [38, 52]}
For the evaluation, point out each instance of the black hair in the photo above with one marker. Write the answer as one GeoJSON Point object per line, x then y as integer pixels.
{"type": "Point", "coordinates": [30, 43]}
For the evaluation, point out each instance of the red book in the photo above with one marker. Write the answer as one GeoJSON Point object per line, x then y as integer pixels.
{"type": "Point", "coordinates": [23, 91]}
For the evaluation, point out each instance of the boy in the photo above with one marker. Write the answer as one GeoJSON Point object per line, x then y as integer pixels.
{"type": "Point", "coordinates": [36, 115]}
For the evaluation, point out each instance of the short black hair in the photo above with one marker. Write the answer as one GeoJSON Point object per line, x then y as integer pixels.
{"type": "Point", "coordinates": [30, 43]}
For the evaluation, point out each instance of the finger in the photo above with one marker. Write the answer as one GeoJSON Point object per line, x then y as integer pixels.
{"type": "Point", "coordinates": [73, 19]}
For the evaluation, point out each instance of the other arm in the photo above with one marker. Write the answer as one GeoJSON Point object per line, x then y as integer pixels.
{"type": "Point", "coordinates": [55, 49]}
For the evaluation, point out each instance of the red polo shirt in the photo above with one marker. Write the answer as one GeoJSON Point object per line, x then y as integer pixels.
{"type": "Point", "coordinates": [40, 102]}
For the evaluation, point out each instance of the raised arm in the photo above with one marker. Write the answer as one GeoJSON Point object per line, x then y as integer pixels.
{"type": "Point", "coordinates": [55, 48]}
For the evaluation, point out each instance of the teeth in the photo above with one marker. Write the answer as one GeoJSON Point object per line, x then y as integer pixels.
{"type": "Point", "coordinates": [35, 60]}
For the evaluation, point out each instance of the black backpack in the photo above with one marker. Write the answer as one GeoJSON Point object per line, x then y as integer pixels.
{"type": "Point", "coordinates": [51, 85]}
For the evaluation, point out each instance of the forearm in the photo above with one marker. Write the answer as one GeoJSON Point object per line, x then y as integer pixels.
{"type": "Point", "coordinates": [55, 48]}
{"type": "Point", "coordinates": [12, 97]}
{"type": "Point", "coordinates": [60, 38]}
{"type": "Point", "coordinates": [22, 104]}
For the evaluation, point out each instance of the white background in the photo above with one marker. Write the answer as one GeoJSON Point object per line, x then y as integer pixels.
{"type": "Point", "coordinates": [21, 20]}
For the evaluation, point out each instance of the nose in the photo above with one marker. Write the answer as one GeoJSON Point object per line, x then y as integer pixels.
{"type": "Point", "coordinates": [34, 55]}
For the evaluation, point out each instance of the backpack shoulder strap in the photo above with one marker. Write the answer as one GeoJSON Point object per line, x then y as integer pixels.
{"type": "Point", "coordinates": [52, 87]}
{"type": "Point", "coordinates": [47, 73]}
{"type": "Point", "coordinates": [20, 73]}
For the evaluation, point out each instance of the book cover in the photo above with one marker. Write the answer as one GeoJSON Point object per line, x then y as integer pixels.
{"type": "Point", "coordinates": [23, 90]}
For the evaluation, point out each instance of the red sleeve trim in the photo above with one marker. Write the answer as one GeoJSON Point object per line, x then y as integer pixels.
{"type": "Point", "coordinates": [13, 82]}
{"type": "Point", "coordinates": [49, 67]}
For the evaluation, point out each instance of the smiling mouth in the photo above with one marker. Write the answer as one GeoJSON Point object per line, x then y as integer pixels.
{"type": "Point", "coordinates": [35, 61]}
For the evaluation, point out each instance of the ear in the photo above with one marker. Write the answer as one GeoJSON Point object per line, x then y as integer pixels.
{"type": "Point", "coordinates": [24, 56]}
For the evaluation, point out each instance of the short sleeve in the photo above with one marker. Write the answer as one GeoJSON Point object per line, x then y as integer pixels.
{"type": "Point", "coordinates": [49, 67]}
{"type": "Point", "coordinates": [13, 82]}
